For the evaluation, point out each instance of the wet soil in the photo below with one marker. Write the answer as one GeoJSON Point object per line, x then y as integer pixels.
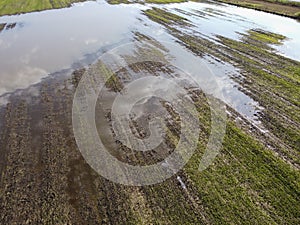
{"type": "Point", "coordinates": [255, 178]}
{"type": "Point", "coordinates": [283, 9]}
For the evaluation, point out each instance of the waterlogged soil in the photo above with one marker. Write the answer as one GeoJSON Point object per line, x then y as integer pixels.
{"type": "Point", "coordinates": [45, 180]}
{"type": "Point", "coordinates": [255, 178]}
{"type": "Point", "coordinates": [262, 70]}
{"type": "Point", "coordinates": [285, 8]}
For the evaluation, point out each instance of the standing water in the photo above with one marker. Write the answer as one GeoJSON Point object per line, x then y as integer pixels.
{"type": "Point", "coordinates": [36, 44]}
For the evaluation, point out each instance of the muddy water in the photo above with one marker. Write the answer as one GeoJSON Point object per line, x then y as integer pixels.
{"type": "Point", "coordinates": [44, 42]}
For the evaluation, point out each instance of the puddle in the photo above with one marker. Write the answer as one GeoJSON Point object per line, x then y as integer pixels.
{"type": "Point", "coordinates": [227, 20]}
{"type": "Point", "coordinates": [34, 45]}
{"type": "Point", "coordinates": [52, 40]}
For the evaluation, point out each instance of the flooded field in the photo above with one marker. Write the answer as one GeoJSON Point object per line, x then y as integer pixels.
{"type": "Point", "coordinates": [46, 42]}
{"type": "Point", "coordinates": [246, 60]}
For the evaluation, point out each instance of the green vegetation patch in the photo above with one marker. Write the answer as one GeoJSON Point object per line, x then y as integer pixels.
{"type": "Point", "coordinates": [273, 81]}
{"type": "Point", "coordinates": [164, 1]}
{"type": "Point", "coordinates": [11, 7]}
{"type": "Point", "coordinates": [297, 15]}
{"type": "Point", "coordinates": [269, 78]}
{"type": "Point", "coordinates": [162, 16]}
{"type": "Point", "coordinates": [279, 7]}
{"type": "Point", "coordinates": [251, 181]}
{"type": "Point", "coordinates": [114, 2]}
{"type": "Point", "coordinates": [265, 36]}
{"type": "Point", "coordinates": [285, 2]}
{"type": "Point", "coordinates": [247, 183]}
{"type": "Point", "coordinates": [2, 26]}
